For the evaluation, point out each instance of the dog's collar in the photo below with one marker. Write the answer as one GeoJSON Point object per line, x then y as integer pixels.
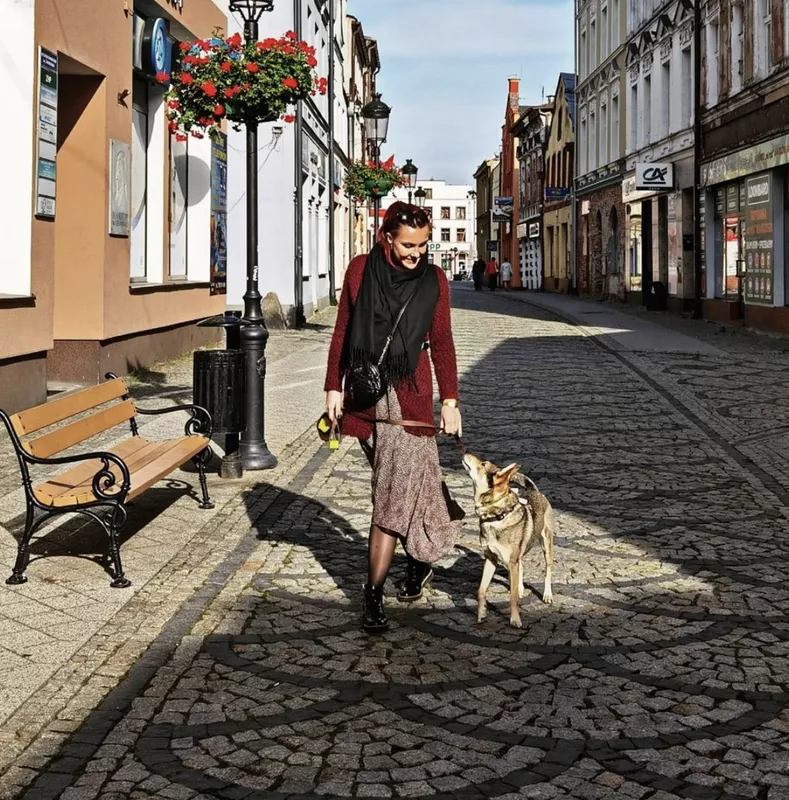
{"type": "Point", "coordinates": [497, 517]}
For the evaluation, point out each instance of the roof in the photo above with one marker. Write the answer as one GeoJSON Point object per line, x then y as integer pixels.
{"type": "Point", "coordinates": [568, 79]}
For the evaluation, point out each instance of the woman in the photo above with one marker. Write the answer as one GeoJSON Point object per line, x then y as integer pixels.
{"type": "Point", "coordinates": [506, 275]}
{"type": "Point", "coordinates": [478, 273]}
{"type": "Point", "coordinates": [409, 503]}
{"type": "Point", "coordinates": [492, 274]}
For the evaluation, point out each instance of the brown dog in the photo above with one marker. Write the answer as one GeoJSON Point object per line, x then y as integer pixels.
{"type": "Point", "coordinates": [513, 515]}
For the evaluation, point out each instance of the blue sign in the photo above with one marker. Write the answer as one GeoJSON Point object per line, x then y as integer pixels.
{"type": "Point", "coordinates": [556, 192]}
{"type": "Point", "coordinates": [157, 50]}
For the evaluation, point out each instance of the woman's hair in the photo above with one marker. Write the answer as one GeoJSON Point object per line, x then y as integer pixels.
{"type": "Point", "coordinates": [399, 214]}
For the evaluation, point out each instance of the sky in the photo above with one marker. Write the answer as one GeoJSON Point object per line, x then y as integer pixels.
{"type": "Point", "coordinates": [444, 71]}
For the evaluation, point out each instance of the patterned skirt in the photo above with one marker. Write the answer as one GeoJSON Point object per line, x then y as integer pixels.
{"type": "Point", "coordinates": [409, 495]}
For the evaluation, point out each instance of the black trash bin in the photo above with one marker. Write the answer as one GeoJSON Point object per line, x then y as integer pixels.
{"type": "Point", "coordinates": [658, 297]}
{"type": "Point", "coordinates": [219, 382]}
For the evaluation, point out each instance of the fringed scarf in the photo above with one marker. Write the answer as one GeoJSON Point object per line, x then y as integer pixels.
{"type": "Point", "coordinates": [382, 293]}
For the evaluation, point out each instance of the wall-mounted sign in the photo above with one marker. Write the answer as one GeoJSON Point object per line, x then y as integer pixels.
{"type": "Point", "coordinates": [654, 177]}
{"type": "Point", "coordinates": [219, 215]}
{"type": "Point", "coordinates": [120, 193]}
{"type": "Point", "coordinates": [766, 155]}
{"type": "Point", "coordinates": [502, 209]}
{"type": "Point", "coordinates": [522, 230]}
{"type": "Point", "coordinates": [554, 193]}
{"type": "Point", "coordinates": [156, 47]}
{"type": "Point", "coordinates": [758, 236]}
{"type": "Point", "coordinates": [534, 230]}
{"type": "Point", "coordinates": [433, 246]}
{"type": "Point", "coordinates": [491, 245]}
{"type": "Point", "coordinates": [586, 207]}
{"type": "Point", "coordinates": [46, 151]}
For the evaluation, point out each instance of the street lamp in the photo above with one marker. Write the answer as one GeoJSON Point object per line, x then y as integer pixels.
{"type": "Point", "coordinates": [254, 335]}
{"type": "Point", "coordinates": [472, 195]}
{"type": "Point", "coordinates": [376, 125]}
{"type": "Point", "coordinates": [410, 171]}
{"type": "Point", "coordinates": [454, 261]}
{"type": "Point", "coordinates": [420, 195]}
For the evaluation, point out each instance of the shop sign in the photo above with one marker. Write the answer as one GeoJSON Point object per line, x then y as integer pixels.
{"type": "Point", "coordinates": [654, 177]}
{"type": "Point", "coordinates": [218, 254]}
{"type": "Point", "coordinates": [156, 47]}
{"type": "Point", "coordinates": [120, 194]}
{"type": "Point", "coordinates": [433, 246]}
{"type": "Point", "coordinates": [554, 193]}
{"type": "Point", "coordinates": [502, 209]}
{"type": "Point", "coordinates": [46, 139]}
{"type": "Point", "coordinates": [534, 230]}
{"type": "Point", "coordinates": [523, 230]}
{"type": "Point", "coordinates": [764, 156]}
{"type": "Point", "coordinates": [586, 207]}
{"type": "Point", "coordinates": [491, 245]}
{"type": "Point", "coordinates": [758, 240]}
{"type": "Point", "coordinates": [702, 209]}
{"type": "Point", "coordinates": [733, 199]}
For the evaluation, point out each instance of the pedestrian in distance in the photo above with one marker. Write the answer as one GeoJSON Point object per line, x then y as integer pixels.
{"type": "Point", "coordinates": [478, 274]}
{"type": "Point", "coordinates": [492, 274]}
{"type": "Point", "coordinates": [397, 432]}
{"type": "Point", "coordinates": [506, 275]}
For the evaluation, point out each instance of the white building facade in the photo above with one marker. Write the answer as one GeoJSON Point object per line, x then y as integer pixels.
{"type": "Point", "coordinates": [298, 201]}
{"type": "Point", "coordinates": [454, 211]}
{"type": "Point", "coordinates": [660, 118]}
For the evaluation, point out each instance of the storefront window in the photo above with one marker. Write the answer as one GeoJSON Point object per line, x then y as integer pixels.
{"type": "Point", "coordinates": [634, 239]}
{"type": "Point", "coordinates": [139, 182]}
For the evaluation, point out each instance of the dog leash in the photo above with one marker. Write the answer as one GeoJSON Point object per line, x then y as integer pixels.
{"type": "Point", "coordinates": [410, 423]}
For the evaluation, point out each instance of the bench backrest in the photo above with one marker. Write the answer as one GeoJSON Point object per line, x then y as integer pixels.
{"type": "Point", "coordinates": [35, 419]}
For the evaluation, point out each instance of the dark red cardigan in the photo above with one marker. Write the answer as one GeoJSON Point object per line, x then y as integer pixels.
{"type": "Point", "coordinates": [415, 403]}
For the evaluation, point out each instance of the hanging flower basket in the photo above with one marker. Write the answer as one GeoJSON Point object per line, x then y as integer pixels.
{"type": "Point", "coordinates": [364, 179]}
{"type": "Point", "coordinates": [244, 82]}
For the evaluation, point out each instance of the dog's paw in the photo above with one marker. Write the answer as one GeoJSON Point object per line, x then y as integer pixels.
{"type": "Point", "coordinates": [515, 622]}
{"type": "Point", "coordinates": [482, 615]}
{"type": "Point", "coordinates": [547, 598]}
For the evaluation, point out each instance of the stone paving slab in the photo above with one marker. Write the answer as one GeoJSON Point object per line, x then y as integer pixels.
{"type": "Point", "coordinates": [660, 672]}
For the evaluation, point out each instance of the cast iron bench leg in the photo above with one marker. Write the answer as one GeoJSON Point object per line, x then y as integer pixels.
{"type": "Point", "coordinates": [113, 522]}
{"type": "Point", "coordinates": [201, 461]}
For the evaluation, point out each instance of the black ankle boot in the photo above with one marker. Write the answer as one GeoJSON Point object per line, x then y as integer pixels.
{"type": "Point", "coordinates": [417, 575]}
{"type": "Point", "coordinates": [373, 617]}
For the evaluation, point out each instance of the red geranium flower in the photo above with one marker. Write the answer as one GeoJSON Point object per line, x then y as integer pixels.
{"type": "Point", "coordinates": [205, 122]}
{"type": "Point", "coordinates": [209, 88]}
{"type": "Point", "coordinates": [266, 44]}
{"type": "Point", "coordinates": [234, 40]}
{"type": "Point", "coordinates": [246, 86]}
{"type": "Point", "coordinates": [184, 47]}
{"type": "Point", "coordinates": [253, 67]}
{"type": "Point", "coordinates": [291, 35]}
{"type": "Point", "coordinates": [226, 66]}
{"type": "Point", "coordinates": [219, 110]}
{"type": "Point", "coordinates": [290, 83]}
{"type": "Point", "coordinates": [196, 134]}
{"type": "Point", "coordinates": [289, 118]}
{"type": "Point", "coordinates": [162, 77]}
{"type": "Point", "coordinates": [180, 137]}
{"type": "Point", "coordinates": [173, 127]}
{"type": "Point", "coordinates": [312, 61]}
{"type": "Point", "coordinates": [204, 45]}
{"type": "Point", "coordinates": [186, 78]}
{"type": "Point", "coordinates": [173, 104]}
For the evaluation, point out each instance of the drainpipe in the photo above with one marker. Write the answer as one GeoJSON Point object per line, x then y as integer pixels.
{"type": "Point", "coordinates": [332, 287]}
{"type": "Point", "coordinates": [698, 150]}
{"type": "Point", "coordinates": [298, 197]}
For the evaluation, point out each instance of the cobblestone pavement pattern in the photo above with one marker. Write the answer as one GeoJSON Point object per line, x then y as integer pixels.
{"type": "Point", "coordinates": [660, 672]}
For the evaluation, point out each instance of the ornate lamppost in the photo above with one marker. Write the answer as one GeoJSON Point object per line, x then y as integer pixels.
{"type": "Point", "coordinates": [254, 335]}
{"type": "Point", "coordinates": [420, 195]}
{"type": "Point", "coordinates": [376, 126]}
{"type": "Point", "coordinates": [410, 171]}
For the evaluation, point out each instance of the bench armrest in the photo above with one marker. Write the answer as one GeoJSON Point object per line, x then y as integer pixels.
{"type": "Point", "coordinates": [198, 424]}
{"type": "Point", "coordinates": [103, 480]}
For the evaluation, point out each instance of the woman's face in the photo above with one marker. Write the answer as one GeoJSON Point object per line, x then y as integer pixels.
{"type": "Point", "coordinates": [409, 245]}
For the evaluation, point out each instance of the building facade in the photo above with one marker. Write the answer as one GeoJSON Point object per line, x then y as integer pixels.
{"type": "Point", "coordinates": [453, 211]}
{"type": "Point", "coordinates": [509, 247]}
{"type": "Point", "coordinates": [658, 188]}
{"type": "Point", "coordinates": [559, 170]}
{"type": "Point", "coordinates": [601, 135]}
{"type": "Point", "coordinates": [487, 187]}
{"type": "Point", "coordinates": [531, 130]}
{"type": "Point", "coordinates": [745, 162]}
{"type": "Point", "coordinates": [106, 259]}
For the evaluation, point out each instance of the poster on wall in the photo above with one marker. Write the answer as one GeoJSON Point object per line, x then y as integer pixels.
{"type": "Point", "coordinates": [46, 141]}
{"type": "Point", "coordinates": [502, 209]}
{"type": "Point", "coordinates": [758, 237]}
{"type": "Point", "coordinates": [120, 193]}
{"type": "Point", "coordinates": [219, 215]}
{"type": "Point", "coordinates": [673, 247]}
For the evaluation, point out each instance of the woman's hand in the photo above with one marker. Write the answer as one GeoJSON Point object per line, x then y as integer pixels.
{"type": "Point", "coordinates": [451, 422]}
{"type": "Point", "coordinates": [334, 402]}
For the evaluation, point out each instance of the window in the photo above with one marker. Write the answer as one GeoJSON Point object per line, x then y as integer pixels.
{"type": "Point", "coordinates": [603, 137]}
{"type": "Point", "coordinates": [460, 212]}
{"type": "Point", "coordinates": [428, 194]}
{"type": "Point", "coordinates": [584, 144]}
{"type": "Point", "coordinates": [592, 141]}
{"type": "Point", "coordinates": [604, 32]}
{"type": "Point", "coordinates": [737, 48]}
{"type": "Point", "coordinates": [763, 27]}
{"type": "Point", "coordinates": [445, 235]}
{"type": "Point", "coordinates": [139, 181]}
{"type": "Point", "coordinates": [687, 89]}
{"type": "Point", "coordinates": [713, 63]}
{"type": "Point", "coordinates": [632, 139]}
{"type": "Point", "coordinates": [461, 235]}
{"type": "Point", "coordinates": [615, 146]}
{"type": "Point", "coordinates": [615, 25]}
{"type": "Point", "coordinates": [647, 124]}
{"type": "Point", "coordinates": [583, 56]}
{"type": "Point", "coordinates": [593, 46]}
{"type": "Point", "coordinates": [665, 99]}
{"type": "Point", "coordinates": [445, 212]}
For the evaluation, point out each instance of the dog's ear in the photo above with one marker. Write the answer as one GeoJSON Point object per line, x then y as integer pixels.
{"type": "Point", "coordinates": [490, 467]}
{"type": "Point", "coordinates": [503, 476]}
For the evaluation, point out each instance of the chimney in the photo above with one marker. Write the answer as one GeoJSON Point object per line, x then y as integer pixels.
{"type": "Point", "coordinates": [515, 84]}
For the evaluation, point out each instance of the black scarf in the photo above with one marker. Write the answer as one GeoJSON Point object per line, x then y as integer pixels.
{"type": "Point", "coordinates": [382, 293]}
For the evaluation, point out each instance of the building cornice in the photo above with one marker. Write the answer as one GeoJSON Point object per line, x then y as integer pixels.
{"type": "Point", "coordinates": [609, 175]}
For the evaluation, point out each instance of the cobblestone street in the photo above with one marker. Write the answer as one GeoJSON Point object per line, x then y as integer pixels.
{"type": "Point", "coordinates": [660, 671]}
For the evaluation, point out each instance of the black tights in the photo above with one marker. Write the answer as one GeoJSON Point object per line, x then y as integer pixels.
{"type": "Point", "coordinates": [381, 551]}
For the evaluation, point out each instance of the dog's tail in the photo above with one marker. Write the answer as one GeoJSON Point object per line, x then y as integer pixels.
{"type": "Point", "coordinates": [525, 481]}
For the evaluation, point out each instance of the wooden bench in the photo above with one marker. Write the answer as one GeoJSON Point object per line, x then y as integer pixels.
{"type": "Point", "coordinates": [99, 484]}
